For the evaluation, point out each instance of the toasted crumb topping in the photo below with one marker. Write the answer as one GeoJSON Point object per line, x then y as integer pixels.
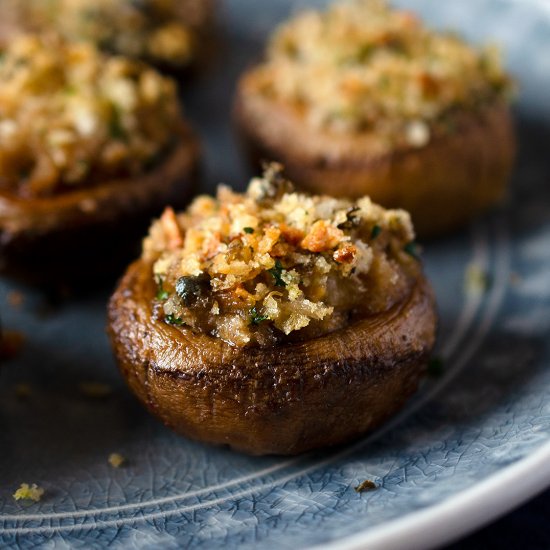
{"type": "Point", "coordinates": [363, 66]}
{"type": "Point", "coordinates": [70, 116]}
{"type": "Point", "coordinates": [28, 492]}
{"type": "Point", "coordinates": [253, 268]}
{"type": "Point", "coordinates": [162, 31]}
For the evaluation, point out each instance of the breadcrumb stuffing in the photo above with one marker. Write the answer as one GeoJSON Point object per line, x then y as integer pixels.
{"type": "Point", "coordinates": [116, 460]}
{"type": "Point", "coordinates": [163, 31]}
{"type": "Point", "coordinates": [253, 268]}
{"type": "Point", "coordinates": [28, 492]}
{"type": "Point", "coordinates": [362, 66]}
{"type": "Point", "coordinates": [71, 116]}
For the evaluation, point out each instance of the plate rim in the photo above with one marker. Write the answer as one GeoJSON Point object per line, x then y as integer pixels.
{"type": "Point", "coordinates": [458, 515]}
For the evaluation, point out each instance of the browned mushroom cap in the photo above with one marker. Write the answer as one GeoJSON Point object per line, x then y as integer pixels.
{"type": "Point", "coordinates": [284, 399]}
{"type": "Point", "coordinates": [443, 184]}
{"type": "Point", "coordinates": [47, 237]}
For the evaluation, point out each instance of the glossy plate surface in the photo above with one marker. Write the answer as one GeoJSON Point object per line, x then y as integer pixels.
{"type": "Point", "coordinates": [473, 443]}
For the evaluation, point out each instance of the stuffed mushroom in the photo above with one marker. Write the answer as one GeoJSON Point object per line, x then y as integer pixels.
{"type": "Point", "coordinates": [90, 147]}
{"type": "Point", "coordinates": [364, 99]}
{"type": "Point", "coordinates": [274, 321]}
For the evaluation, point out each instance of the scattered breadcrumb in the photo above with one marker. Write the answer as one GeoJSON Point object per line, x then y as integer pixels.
{"type": "Point", "coordinates": [28, 492]}
{"type": "Point", "coordinates": [96, 390]}
{"type": "Point", "coordinates": [515, 278]}
{"type": "Point", "coordinates": [366, 485]}
{"type": "Point", "coordinates": [15, 298]}
{"type": "Point", "coordinates": [23, 391]}
{"type": "Point", "coordinates": [116, 460]}
{"type": "Point", "coordinates": [476, 280]}
{"type": "Point", "coordinates": [11, 343]}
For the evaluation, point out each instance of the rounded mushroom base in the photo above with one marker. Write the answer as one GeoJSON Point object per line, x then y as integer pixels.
{"type": "Point", "coordinates": [84, 236]}
{"type": "Point", "coordinates": [443, 185]}
{"type": "Point", "coordinates": [286, 399]}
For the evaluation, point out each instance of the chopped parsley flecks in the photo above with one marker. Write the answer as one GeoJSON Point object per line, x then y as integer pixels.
{"type": "Point", "coordinates": [256, 318]}
{"type": "Point", "coordinates": [171, 319]}
{"type": "Point", "coordinates": [411, 249]}
{"type": "Point", "coordinates": [162, 293]}
{"type": "Point", "coordinates": [116, 128]}
{"type": "Point", "coordinates": [277, 272]}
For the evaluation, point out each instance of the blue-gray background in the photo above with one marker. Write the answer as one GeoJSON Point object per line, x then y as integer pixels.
{"type": "Point", "coordinates": [490, 409]}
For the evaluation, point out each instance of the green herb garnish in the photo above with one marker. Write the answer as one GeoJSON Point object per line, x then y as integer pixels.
{"type": "Point", "coordinates": [376, 230]}
{"type": "Point", "coordinates": [255, 317]}
{"type": "Point", "coordinates": [435, 367]}
{"type": "Point", "coordinates": [365, 52]}
{"type": "Point", "coordinates": [171, 319]}
{"type": "Point", "coordinates": [384, 82]}
{"type": "Point", "coordinates": [248, 230]}
{"type": "Point", "coordinates": [162, 294]}
{"type": "Point", "coordinates": [116, 129]}
{"type": "Point", "coordinates": [277, 271]}
{"type": "Point", "coordinates": [412, 250]}
{"type": "Point", "coordinates": [366, 485]}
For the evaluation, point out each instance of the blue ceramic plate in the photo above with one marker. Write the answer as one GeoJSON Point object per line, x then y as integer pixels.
{"type": "Point", "coordinates": [472, 444]}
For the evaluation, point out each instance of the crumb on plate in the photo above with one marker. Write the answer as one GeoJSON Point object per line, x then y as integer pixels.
{"type": "Point", "coordinates": [28, 492]}
{"type": "Point", "coordinates": [116, 460]}
{"type": "Point", "coordinates": [366, 485]}
{"type": "Point", "coordinates": [476, 280]}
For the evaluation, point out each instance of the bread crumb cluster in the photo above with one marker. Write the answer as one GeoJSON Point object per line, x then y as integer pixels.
{"type": "Point", "coordinates": [160, 31]}
{"type": "Point", "coordinates": [251, 268]}
{"type": "Point", "coordinates": [72, 117]}
{"type": "Point", "coordinates": [116, 460]}
{"type": "Point", "coordinates": [361, 66]}
{"type": "Point", "coordinates": [28, 492]}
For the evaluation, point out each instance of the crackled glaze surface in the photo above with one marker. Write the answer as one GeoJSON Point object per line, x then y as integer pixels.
{"type": "Point", "coordinates": [489, 410]}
